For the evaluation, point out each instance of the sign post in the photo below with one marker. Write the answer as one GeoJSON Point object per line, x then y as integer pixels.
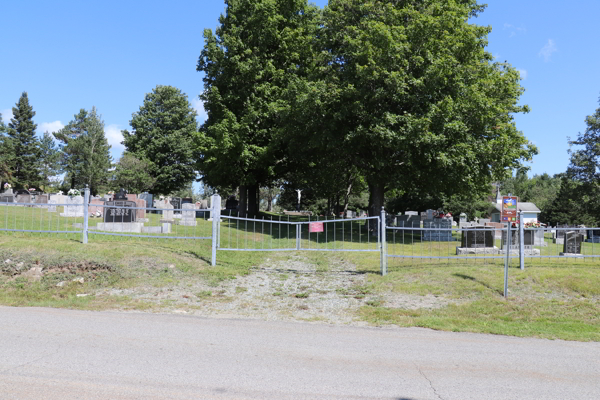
{"type": "Point", "coordinates": [509, 215]}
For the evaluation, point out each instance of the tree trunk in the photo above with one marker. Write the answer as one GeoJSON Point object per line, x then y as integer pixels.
{"type": "Point", "coordinates": [347, 198]}
{"type": "Point", "coordinates": [252, 195]}
{"type": "Point", "coordinates": [243, 204]}
{"type": "Point", "coordinates": [376, 199]}
{"type": "Point", "coordinates": [269, 199]}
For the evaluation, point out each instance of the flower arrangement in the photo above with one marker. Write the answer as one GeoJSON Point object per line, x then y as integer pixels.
{"type": "Point", "coordinates": [111, 192]}
{"type": "Point", "coordinates": [60, 192]}
{"type": "Point", "coordinates": [31, 189]}
{"type": "Point", "coordinates": [7, 186]}
{"type": "Point", "coordinates": [74, 192]}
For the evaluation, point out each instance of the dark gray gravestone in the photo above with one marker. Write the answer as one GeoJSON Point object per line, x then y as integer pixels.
{"type": "Point", "coordinates": [514, 238]}
{"type": "Point", "coordinates": [572, 244]}
{"type": "Point", "coordinates": [176, 203]}
{"type": "Point", "coordinates": [149, 200]}
{"type": "Point", "coordinates": [476, 237]}
{"type": "Point", "coordinates": [528, 238]}
{"type": "Point", "coordinates": [119, 211]}
{"type": "Point", "coordinates": [187, 200]}
{"type": "Point", "coordinates": [121, 195]}
{"type": "Point", "coordinates": [593, 235]}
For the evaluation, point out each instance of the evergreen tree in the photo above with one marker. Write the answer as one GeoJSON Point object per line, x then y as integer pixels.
{"type": "Point", "coordinates": [163, 134]}
{"type": "Point", "coordinates": [85, 151]}
{"type": "Point", "coordinates": [26, 145]}
{"type": "Point", "coordinates": [7, 156]}
{"type": "Point", "coordinates": [49, 159]}
{"type": "Point", "coordinates": [133, 174]}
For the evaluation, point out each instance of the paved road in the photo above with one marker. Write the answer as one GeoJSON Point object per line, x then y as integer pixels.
{"type": "Point", "coordinates": [64, 354]}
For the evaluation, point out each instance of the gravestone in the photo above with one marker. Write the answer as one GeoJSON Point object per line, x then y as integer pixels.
{"type": "Point", "coordinates": [7, 197]}
{"type": "Point", "coordinates": [230, 204]}
{"type": "Point", "coordinates": [188, 215]}
{"type": "Point", "coordinates": [59, 198]}
{"type": "Point", "coordinates": [476, 240]}
{"type": "Point", "coordinates": [413, 213]}
{"type": "Point", "coordinates": [539, 239]}
{"type": "Point", "coordinates": [176, 203]}
{"type": "Point", "coordinates": [186, 200]}
{"type": "Point", "coordinates": [442, 235]}
{"type": "Point", "coordinates": [121, 195]}
{"type": "Point", "coordinates": [572, 243]}
{"type": "Point", "coordinates": [131, 196]}
{"type": "Point", "coordinates": [593, 236]}
{"type": "Point", "coordinates": [149, 199]}
{"type": "Point", "coordinates": [167, 213]}
{"type": "Point", "coordinates": [51, 205]}
{"type": "Point", "coordinates": [483, 221]}
{"type": "Point", "coordinates": [514, 239]}
{"type": "Point", "coordinates": [41, 199]}
{"type": "Point", "coordinates": [74, 207]}
{"type": "Point", "coordinates": [559, 235]}
{"type": "Point", "coordinates": [476, 237]}
{"type": "Point", "coordinates": [23, 198]}
{"type": "Point", "coordinates": [429, 213]}
{"type": "Point", "coordinates": [119, 211]}
{"type": "Point", "coordinates": [499, 227]}
{"type": "Point", "coordinates": [140, 213]}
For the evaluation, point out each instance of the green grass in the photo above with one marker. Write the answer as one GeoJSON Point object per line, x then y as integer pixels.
{"type": "Point", "coordinates": [554, 298]}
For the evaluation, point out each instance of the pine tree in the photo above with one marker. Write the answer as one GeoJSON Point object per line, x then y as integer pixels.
{"type": "Point", "coordinates": [49, 159]}
{"type": "Point", "coordinates": [21, 129]}
{"type": "Point", "coordinates": [85, 151]}
{"type": "Point", "coordinates": [7, 155]}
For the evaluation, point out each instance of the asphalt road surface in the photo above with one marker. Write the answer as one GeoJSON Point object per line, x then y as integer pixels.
{"type": "Point", "coordinates": [64, 354]}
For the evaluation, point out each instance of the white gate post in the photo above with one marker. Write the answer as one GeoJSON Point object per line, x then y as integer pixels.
{"type": "Point", "coordinates": [215, 214]}
{"type": "Point", "coordinates": [383, 254]}
{"type": "Point", "coordinates": [86, 200]}
{"type": "Point", "coordinates": [522, 241]}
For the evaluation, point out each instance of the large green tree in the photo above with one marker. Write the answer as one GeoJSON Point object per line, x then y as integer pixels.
{"type": "Point", "coordinates": [258, 48]}
{"type": "Point", "coordinates": [85, 151]}
{"type": "Point", "coordinates": [163, 132]}
{"type": "Point", "coordinates": [133, 174]}
{"type": "Point", "coordinates": [578, 201]}
{"type": "Point", "coordinates": [7, 156]}
{"type": "Point", "coordinates": [21, 130]}
{"type": "Point", "coordinates": [410, 93]}
{"type": "Point", "coordinates": [49, 162]}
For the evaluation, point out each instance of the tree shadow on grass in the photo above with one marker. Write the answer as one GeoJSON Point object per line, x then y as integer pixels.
{"type": "Point", "coordinates": [470, 278]}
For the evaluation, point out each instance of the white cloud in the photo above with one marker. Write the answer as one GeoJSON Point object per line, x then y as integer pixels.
{"type": "Point", "coordinates": [523, 73]}
{"type": "Point", "coordinates": [199, 107]}
{"type": "Point", "coordinates": [514, 30]}
{"type": "Point", "coordinates": [547, 50]}
{"type": "Point", "coordinates": [50, 127]}
{"type": "Point", "coordinates": [6, 115]}
{"type": "Point", "coordinates": [114, 138]}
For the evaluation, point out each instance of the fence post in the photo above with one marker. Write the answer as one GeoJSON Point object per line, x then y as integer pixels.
{"type": "Point", "coordinates": [215, 214]}
{"type": "Point", "coordinates": [86, 200]}
{"type": "Point", "coordinates": [506, 261]}
{"type": "Point", "coordinates": [298, 239]}
{"type": "Point", "coordinates": [383, 254]}
{"type": "Point", "coordinates": [522, 241]}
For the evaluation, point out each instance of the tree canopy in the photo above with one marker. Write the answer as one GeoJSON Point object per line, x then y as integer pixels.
{"type": "Point", "coordinates": [21, 130]}
{"type": "Point", "coordinates": [85, 151]}
{"type": "Point", "coordinates": [163, 132]}
{"type": "Point", "coordinates": [259, 46]}
{"type": "Point", "coordinates": [578, 201]}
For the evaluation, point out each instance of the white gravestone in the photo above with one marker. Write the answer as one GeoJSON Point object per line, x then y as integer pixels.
{"type": "Point", "coordinates": [74, 207]}
{"type": "Point", "coordinates": [51, 205]}
{"type": "Point", "coordinates": [188, 215]}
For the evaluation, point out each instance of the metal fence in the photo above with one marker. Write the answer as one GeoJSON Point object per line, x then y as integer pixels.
{"type": "Point", "coordinates": [314, 234]}
{"type": "Point", "coordinates": [417, 243]}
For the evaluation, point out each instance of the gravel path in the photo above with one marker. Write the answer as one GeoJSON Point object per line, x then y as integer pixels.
{"type": "Point", "coordinates": [280, 290]}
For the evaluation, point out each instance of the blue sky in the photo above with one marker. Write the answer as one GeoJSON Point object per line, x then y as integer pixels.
{"type": "Point", "coordinates": [70, 55]}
